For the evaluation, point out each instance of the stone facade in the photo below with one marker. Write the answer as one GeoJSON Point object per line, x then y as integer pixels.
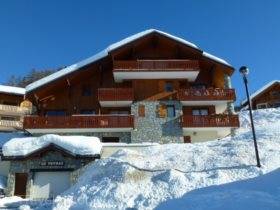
{"type": "Point", "coordinates": [152, 128]}
{"type": "Point", "coordinates": [30, 166]}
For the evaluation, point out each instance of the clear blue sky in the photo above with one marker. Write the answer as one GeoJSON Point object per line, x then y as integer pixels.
{"type": "Point", "coordinates": [48, 34]}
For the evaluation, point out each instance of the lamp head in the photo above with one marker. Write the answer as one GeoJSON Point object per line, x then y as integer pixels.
{"type": "Point", "coordinates": [244, 70]}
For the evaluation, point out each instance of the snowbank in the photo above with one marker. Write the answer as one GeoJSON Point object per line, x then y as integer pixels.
{"type": "Point", "coordinates": [257, 193]}
{"type": "Point", "coordinates": [131, 179]}
{"type": "Point", "coordinates": [80, 145]}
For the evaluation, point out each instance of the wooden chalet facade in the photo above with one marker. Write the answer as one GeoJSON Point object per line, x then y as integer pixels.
{"type": "Point", "coordinates": [12, 108]}
{"type": "Point", "coordinates": [266, 97]}
{"type": "Point", "coordinates": [151, 86]}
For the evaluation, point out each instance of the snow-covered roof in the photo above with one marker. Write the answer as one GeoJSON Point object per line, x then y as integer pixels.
{"type": "Point", "coordinates": [259, 91]}
{"type": "Point", "coordinates": [78, 145]}
{"type": "Point", "coordinates": [106, 51]}
{"type": "Point", "coordinates": [12, 90]}
{"type": "Point", "coordinates": [215, 58]}
{"type": "Point", "coordinates": [4, 137]}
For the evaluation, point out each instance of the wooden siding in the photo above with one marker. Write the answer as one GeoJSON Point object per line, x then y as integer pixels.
{"type": "Point", "coordinates": [115, 94]}
{"type": "Point", "coordinates": [268, 96]}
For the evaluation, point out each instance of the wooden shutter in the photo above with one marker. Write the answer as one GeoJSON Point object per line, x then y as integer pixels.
{"type": "Point", "coordinates": [162, 110]}
{"type": "Point", "coordinates": [141, 110]}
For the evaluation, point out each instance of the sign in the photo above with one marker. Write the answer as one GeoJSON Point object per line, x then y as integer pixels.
{"type": "Point", "coordinates": [52, 163]}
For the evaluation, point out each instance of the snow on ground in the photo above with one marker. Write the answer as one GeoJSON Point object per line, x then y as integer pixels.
{"type": "Point", "coordinates": [261, 192]}
{"type": "Point", "coordinates": [81, 145]}
{"type": "Point", "coordinates": [145, 180]}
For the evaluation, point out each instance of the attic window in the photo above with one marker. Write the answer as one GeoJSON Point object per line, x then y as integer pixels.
{"type": "Point", "coordinates": [86, 90]}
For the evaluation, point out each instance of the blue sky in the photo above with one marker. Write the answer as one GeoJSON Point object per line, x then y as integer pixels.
{"type": "Point", "coordinates": [48, 34]}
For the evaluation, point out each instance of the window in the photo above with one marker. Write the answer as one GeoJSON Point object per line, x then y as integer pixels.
{"type": "Point", "coordinates": [9, 118]}
{"type": "Point", "coordinates": [55, 113]}
{"type": "Point", "coordinates": [275, 93]}
{"type": "Point", "coordinates": [116, 112]}
{"type": "Point", "coordinates": [262, 106]}
{"type": "Point", "coordinates": [87, 111]}
{"type": "Point", "coordinates": [10, 103]}
{"type": "Point", "coordinates": [170, 111]}
{"type": "Point", "coordinates": [141, 110]}
{"type": "Point", "coordinates": [275, 105]}
{"type": "Point", "coordinates": [168, 87]}
{"type": "Point", "coordinates": [86, 90]}
{"type": "Point", "coordinates": [110, 139]}
{"type": "Point", "coordinates": [198, 86]}
{"type": "Point", "coordinates": [197, 112]}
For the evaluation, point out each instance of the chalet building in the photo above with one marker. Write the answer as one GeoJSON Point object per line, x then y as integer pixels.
{"type": "Point", "coordinates": [12, 108]}
{"type": "Point", "coordinates": [149, 87]}
{"type": "Point", "coordinates": [266, 97]}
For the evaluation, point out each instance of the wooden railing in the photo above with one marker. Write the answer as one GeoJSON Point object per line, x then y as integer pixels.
{"type": "Point", "coordinates": [206, 94]}
{"type": "Point", "coordinates": [210, 121]}
{"type": "Point", "coordinates": [115, 94]}
{"type": "Point", "coordinates": [91, 121]}
{"type": "Point", "coordinates": [11, 124]}
{"type": "Point", "coordinates": [161, 65]}
{"type": "Point", "coordinates": [14, 109]}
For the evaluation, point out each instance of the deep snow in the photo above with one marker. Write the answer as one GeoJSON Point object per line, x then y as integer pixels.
{"type": "Point", "coordinates": [81, 145]}
{"type": "Point", "coordinates": [154, 177]}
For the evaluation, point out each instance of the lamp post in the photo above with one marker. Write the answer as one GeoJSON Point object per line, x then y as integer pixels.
{"type": "Point", "coordinates": [245, 71]}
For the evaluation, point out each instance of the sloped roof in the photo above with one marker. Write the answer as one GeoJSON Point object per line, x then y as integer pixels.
{"type": "Point", "coordinates": [12, 90]}
{"type": "Point", "coordinates": [106, 51]}
{"type": "Point", "coordinates": [259, 91]}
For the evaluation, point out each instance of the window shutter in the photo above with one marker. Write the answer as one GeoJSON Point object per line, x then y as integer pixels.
{"type": "Point", "coordinates": [162, 110]}
{"type": "Point", "coordinates": [141, 110]}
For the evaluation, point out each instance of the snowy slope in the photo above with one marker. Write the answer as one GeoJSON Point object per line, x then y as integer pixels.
{"type": "Point", "coordinates": [149, 179]}
{"type": "Point", "coordinates": [261, 192]}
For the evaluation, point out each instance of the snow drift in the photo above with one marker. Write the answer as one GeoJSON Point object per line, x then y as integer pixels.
{"type": "Point", "coordinates": [130, 179]}
{"type": "Point", "coordinates": [81, 145]}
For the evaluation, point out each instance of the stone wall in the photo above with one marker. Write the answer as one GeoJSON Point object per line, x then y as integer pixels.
{"type": "Point", "coordinates": [30, 166]}
{"type": "Point", "coordinates": [152, 128]}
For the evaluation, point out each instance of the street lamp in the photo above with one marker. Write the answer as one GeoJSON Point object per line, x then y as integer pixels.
{"type": "Point", "coordinates": [245, 71]}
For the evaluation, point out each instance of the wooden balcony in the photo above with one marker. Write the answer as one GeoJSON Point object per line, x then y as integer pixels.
{"type": "Point", "coordinates": [115, 97]}
{"type": "Point", "coordinates": [14, 110]}
{"type": "Point", "coordinates": [9, 125]}
{"type": "Point", "coordinates": [157, 65]}
{"type": "Point", "coordinates": [210, 96]}
{"type": "Point", "coordinates": [79, 123]}
{"type": "Point", "coordinates": [155, 69]}
{"type": "Point", "coordinates": [206, 121]}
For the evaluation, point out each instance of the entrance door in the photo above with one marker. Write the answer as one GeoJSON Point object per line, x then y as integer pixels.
{"type": "Point", "coordinates": [49, 184]}
{"type": "Point", "coordinates": [20, 184]}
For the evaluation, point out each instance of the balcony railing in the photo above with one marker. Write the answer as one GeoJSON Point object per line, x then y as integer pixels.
{"type": "Point", "coordinates": [206, 94]}
{"type": "Point", "coordinates": [90, 121]}
{"type": "Point", "coordinates": [14, 109]}
{"type": "Point", "coordinates": [115, 94]}
{"type": "Point", "coordinates": [157, 65]}
{"type": "Point", "coordinates": [210, 121]}
{"type": "Point", "coordinates": [11, 124]}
